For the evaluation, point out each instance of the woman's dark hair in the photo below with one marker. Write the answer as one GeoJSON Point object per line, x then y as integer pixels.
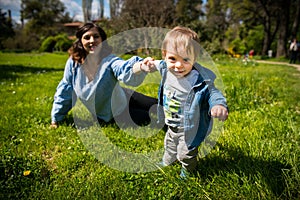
{"type": "Point", "coordinates": [77, 50]}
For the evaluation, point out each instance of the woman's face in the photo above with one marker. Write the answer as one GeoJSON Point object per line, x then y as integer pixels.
{"type": "Point", "coordinates": [90, 40]}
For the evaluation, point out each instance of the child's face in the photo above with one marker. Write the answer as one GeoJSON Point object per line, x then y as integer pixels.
{"type": "Point", "coordinates": [179, 66]}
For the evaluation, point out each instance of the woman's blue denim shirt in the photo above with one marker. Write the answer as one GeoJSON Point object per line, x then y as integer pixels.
{"type": "Point", "coordinates": [201, 98]}
{"type": "Point", "coordinates": [103, 95]}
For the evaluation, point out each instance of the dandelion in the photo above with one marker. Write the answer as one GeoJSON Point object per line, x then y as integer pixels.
{"type": "Point", "coordinates": [26, 173]}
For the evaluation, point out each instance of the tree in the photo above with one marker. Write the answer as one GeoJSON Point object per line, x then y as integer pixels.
{"type": "Point", "coordinates": [138, 13]}
{"type": "Point", "coordinates": [115, 7]}
{"type": "Point", "coordinates": [283, 18]}
{"type": "Point", "coordinates": [44, 17]}
{"type": "Point", "coordinates": [6, 27]}
{"type": "Point", "coordinates": [280, 20]}
{"type": "Point", "coordinates": [295, 17]}
{"type": "Point", "coordinates": [217, 23]}
{"type": "Point", "coordinates": [87, 10]}
{"type": "Point", "coordinates": [188, 11]}
{"type": "Point", "coordinates": [101, 14]}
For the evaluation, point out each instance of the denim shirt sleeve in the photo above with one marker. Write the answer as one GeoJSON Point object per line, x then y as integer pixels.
{"type": "Point", "coordinates": [216, 97]}
{"type": "Point", "coordinates": [122, 70]}
{"type": "Point", "coordinates": [63, 96]}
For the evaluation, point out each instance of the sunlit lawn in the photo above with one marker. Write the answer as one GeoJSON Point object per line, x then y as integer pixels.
{"type": "Point", "coordinates": [255, 157]}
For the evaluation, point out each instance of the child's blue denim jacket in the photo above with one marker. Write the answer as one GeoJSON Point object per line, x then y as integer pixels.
{"type": "Point", "coordinates": [103, 95]}
{"type": "Point", "coordinates": [202, 97]}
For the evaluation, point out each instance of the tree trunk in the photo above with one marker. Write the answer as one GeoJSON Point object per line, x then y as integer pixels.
{"type": "Point", "coordinates": [267, 37]}
{"type": "Point", "coordinates": [86, 9]}
{"type": "Point", "coordinates": [115, 7]}
{"type": "Point", "coordinates": [295, 26]}
{"type": "Point", "coordinates": [283, 28]}
{"type": "Point", "coordinates": [101, 14]}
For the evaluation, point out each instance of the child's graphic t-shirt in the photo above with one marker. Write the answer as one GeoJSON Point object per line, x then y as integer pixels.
{"type": "Point", "coordinates": [175, 94]}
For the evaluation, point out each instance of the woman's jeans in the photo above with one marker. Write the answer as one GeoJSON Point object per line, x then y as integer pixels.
{"type": "Point", "coordinates": [138, 111]}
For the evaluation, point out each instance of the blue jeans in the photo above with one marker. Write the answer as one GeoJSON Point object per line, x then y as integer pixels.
{"type": "Point", "coordinates": [138, 111]}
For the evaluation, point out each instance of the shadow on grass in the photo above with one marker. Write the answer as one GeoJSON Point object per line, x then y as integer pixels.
{"type": "Point", "coordinates": [12, 72]}
{"type": "Point", "coordinates": [14, 184]}
{"type": "Point", "coordinates": [68, 121]}
{"type": "Point", "coordinates": [234, 160]}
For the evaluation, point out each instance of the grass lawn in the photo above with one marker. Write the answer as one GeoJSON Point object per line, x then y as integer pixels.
{"type": "Point", "coordinates": [257, 154]}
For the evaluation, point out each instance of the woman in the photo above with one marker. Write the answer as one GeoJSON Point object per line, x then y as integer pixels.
{"type": "Point", "coordinates": [93, 73]}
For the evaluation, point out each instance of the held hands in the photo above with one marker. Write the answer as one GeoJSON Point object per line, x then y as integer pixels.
{"type": "Point", "coordinates": [220, 112]}
{"type": "Point", "coordinates": [147, 65]}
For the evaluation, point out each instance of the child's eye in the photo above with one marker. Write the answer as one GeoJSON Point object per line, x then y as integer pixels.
{"type": "Point", "coordinates": [186, 59]}
{"type": "Point", "coordinates": [172, 58]}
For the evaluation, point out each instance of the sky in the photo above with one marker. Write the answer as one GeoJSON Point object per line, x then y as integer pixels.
{"type": "Point", "coordinates": [72, 6]}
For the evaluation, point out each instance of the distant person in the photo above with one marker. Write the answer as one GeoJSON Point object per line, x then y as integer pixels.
{"type": "Point", "coordinates": [251, 53]}
{"type": "Point", "coordinates": [95, 81]}
{"type": "Point", "coordinates": [293, 51]}
{"type": "Point", "coordinates": [188, 99]}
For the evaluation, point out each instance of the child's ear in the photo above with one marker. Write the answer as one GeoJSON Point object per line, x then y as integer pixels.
{"type": "Point", "coordinates": [163, 52]}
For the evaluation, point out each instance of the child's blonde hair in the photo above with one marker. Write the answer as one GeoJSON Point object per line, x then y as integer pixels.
{"type": "Point", "coordinates": [181, 41]}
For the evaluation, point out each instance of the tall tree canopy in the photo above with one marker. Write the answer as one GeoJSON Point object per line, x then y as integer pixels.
{"type": "Point", "coordinates": [140, 13]}
{"type": "Point", "coordinates": [274, 16]}
{"type": "Point", "coordinates": [43, 16]}
{"type": "Point", "coordinates": [6, 27]}
{"type": "Point", "coordinates": [221, 24]}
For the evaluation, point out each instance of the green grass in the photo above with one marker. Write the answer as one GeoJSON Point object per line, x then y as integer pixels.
{"type": "Point", "coordinates": [256, 155]}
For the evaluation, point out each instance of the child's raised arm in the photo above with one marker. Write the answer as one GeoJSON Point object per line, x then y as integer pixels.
{"type": "Point", "coordinates": [147, 65]}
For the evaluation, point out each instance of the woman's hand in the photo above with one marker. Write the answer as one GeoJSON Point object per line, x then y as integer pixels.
{"type": "Point", "coordinates": [54, 125]}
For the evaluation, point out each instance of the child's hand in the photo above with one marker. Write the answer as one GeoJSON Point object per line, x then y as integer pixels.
{"type": "Point", "coordinates": [148, 65]}
{"type": "Point", "coordinates": [220, 112]}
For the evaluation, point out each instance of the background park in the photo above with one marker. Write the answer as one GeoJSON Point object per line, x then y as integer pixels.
{"type": "Point", "coordinates": [257, 154]}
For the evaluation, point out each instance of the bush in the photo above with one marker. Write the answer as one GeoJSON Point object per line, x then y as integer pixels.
{"type": "Point", "coordinates": [22, 42]}
{"type": "Point", "coordinates": [58, 43]}
{"type": "Point", "coordinates": [48, 44]}
{"type": "Point", "coordinates": [63, 43]}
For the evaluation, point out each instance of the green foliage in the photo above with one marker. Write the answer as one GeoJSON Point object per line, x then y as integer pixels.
{"type": "Point", "coordinates": [188, 11]}
{"type": "Point", "coordinates": [256, 155]}
{"type": "Point", "coordinates": [48, 44]}
{"type": "Point", "coordinates": [63, 43]}
{"type": "Point", "coordinates": [254, 39]}
{"type": "Point", "coordinates": [58, 43]}
{"type": "Point", "coordinates": [6, 27]}
{"type": "Point", "coordinates": [44, 17]}
{"type": "Point", "coordinates": [22, 42]}
{"type": "Point", "coordinates": [212, 47]}
{"type": "Point", "coordinates": [238, 46]}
